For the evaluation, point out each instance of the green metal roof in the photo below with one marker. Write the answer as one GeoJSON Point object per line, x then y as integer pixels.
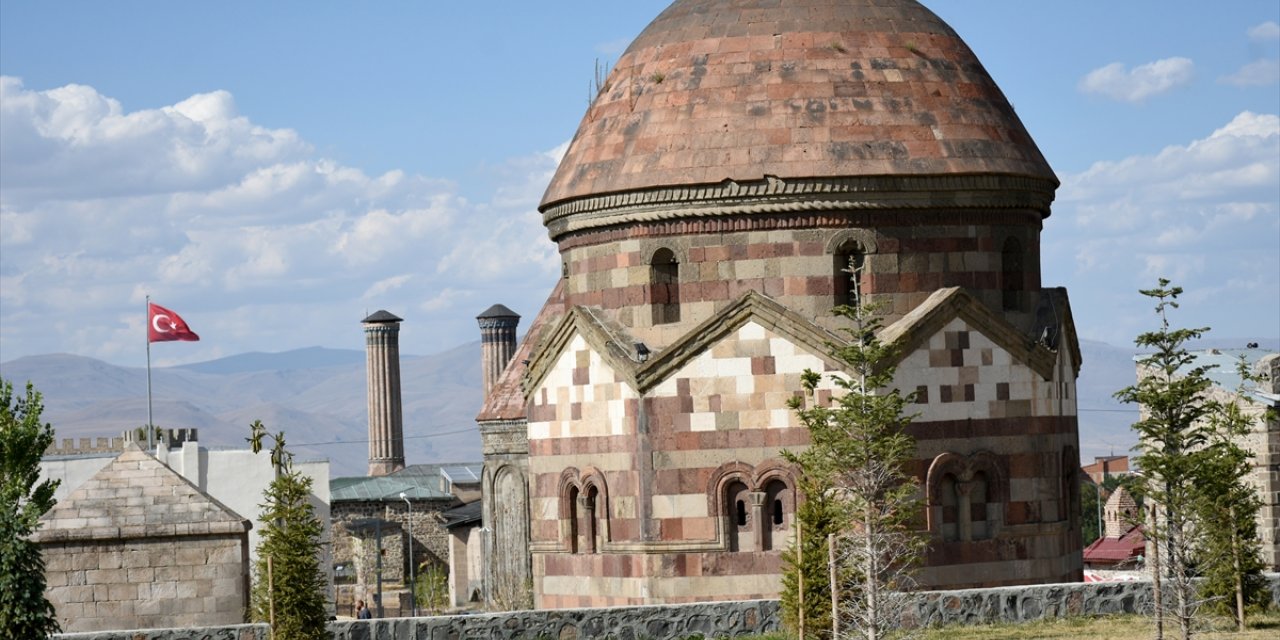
{"type": "Point", "coordinates": [417, 482]}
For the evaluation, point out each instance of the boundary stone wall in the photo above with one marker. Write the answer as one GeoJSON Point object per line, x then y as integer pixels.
{"type": "Point", "coordinates": [711, 619]}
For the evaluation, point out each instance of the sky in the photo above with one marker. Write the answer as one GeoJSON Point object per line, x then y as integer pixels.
{"type": "Point", "coordinates": [274, 172]}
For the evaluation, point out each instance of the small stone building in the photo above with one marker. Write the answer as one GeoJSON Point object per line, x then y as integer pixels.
{"type": "Point", "coordinates": [1122, 542]}
{"type": "Point", "coordinates": [138, 546]}
{"type": "Point", "coordinates": [396, 518]}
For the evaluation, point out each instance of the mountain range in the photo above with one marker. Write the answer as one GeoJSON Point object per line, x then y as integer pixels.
{"type": "Point", "coordinates": [317, 396]}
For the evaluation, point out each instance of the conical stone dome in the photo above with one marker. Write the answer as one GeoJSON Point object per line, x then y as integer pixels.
{"type": "Point", "coordinates": [768, 95]}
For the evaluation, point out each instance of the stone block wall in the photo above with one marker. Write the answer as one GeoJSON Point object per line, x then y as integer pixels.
{"type": "Point", "coordinates": [711, 619]}
{"type": "Point", "coordinates": [148, 582]}
{"type": "Point", "coordinates": [430, 539]}
{"type": "Point", "coordinates": [909, 255]}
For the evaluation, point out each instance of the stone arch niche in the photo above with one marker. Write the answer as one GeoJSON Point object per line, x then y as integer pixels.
{"type": "Point", "coordinates": [509, 569]}
{"type": "Point", "coordinates": [966, 497]}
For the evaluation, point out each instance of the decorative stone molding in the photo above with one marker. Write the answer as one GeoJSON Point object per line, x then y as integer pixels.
{"type": "Point", "coordinates": [773, 195]}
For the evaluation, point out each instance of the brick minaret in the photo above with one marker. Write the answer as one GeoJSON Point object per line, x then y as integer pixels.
{"type": "Point", "coordinates": [497, 341]}
{"type": "Point", "coordinates": [386, 422]}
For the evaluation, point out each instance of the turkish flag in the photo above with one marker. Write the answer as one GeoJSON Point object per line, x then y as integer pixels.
{"type": "Point", "coordinates": [166, 326]}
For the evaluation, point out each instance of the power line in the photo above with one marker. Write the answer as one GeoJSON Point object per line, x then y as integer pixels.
{"type": "Point", "coordinates": [430, 435]}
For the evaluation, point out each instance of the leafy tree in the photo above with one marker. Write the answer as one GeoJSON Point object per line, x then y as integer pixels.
{"type": "Point", "coordinates": [24, 610]}
{"type": "Point", "coordinates": [1172, 434]}
{"type": "Point", "coordinates": [289, 584]}
{"type": "Point", "coordinates": [857, 458]}
{"type": "Point", "coordinates": [432, 587]}
{"type": "Point", "coordinates": [1229, 556]}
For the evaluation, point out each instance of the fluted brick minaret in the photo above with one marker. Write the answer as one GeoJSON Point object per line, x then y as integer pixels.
{"type": "Point", "coordinates": [386, 420]}
{"type": "Point", "coordinates": [497, 342]}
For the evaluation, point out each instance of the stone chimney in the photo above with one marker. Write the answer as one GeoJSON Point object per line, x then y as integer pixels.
{"type": "Point", "coordinates": [386, 421]}
{"type": "Point", "coordinates": [497, 342]}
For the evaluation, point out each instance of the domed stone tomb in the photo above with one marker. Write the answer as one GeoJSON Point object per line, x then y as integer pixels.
{"type": "Point", "coordinates": [745, 167]}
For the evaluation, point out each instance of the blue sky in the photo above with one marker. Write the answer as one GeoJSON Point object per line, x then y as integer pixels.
{"type": "Point", "coordinates": [273, 171]}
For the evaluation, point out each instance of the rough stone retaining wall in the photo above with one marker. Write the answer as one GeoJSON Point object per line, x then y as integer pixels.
{"type": "Point", "coordinates": [711, 620]}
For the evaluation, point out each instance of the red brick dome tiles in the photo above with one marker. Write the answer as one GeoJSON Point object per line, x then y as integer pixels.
{"type": "Point", "coordinates": [717, 90]}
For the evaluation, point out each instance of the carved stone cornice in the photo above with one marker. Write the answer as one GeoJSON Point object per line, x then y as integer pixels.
{"type": "Point", "coordinates": [776, 196]}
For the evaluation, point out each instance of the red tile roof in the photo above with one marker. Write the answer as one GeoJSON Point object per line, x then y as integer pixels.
{"type": "Point", "coordinates": [1122, 550]}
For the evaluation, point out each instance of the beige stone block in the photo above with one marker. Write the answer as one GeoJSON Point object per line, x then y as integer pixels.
{"type": "Point", "coordinates": [141, 574]}
{"type": "Point", "coordinates": [122, 592]}
{"type": "Point", "coordinates": [191, 556]}
{"type": "Point", "coordinates": [186, 589]}
{"type": "Point", "coordinates": [106, 576]}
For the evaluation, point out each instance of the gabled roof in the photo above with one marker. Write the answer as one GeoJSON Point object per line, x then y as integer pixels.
{"type": "Point", "coordinates": [137, 496]}
{"type": "Point", "coordinates": [616, 346]}
{"type": "Point", "coordinates": [1120, 550]}
{"type": "Point", "coordinates": [915, 328]}
{"type": "Point", "coordinates": [416, 482]}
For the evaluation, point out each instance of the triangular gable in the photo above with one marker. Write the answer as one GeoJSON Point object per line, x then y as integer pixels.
{"type": "Point", "coordinates": [617, 347]}
{"type": "Point", "coordinates": [614, 345]}
{"type": "Point", "coordinates": [137, 496]}
{"type": "Point", "coordinates": [914, 329]}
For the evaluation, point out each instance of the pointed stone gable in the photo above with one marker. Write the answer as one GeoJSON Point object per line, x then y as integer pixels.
{"type": "Point", "coordinates": [136, 496]}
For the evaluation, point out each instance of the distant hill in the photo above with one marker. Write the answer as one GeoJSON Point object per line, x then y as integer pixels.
{"type": "Point", "coordinates": [317, 396]}
{"type": "Point", "coordinates": [308, 358]}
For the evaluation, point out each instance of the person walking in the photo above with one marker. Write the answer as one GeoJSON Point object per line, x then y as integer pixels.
{"type": "Point", "coordinates": [362, 612]}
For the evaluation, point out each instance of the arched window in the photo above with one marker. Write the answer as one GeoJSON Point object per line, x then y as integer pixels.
{"type": "Point", "coordinates": [664, 292]}
{"type": "Point", "coordinates": [847, 268]}
{"type": "Point", "coordinates": [593, 512]}
{"type": "Point", "coordinates": [1012, 274]}
{"type": "Point", "coordinates": [778, 510]}
{"type": "Point", "coordinates": [738, 518]}
{"type": "Point", "coordinates": [573, 519]}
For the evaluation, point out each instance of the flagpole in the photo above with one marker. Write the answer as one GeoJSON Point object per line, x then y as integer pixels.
{"type": "Point", "coordinates": [150, 429]}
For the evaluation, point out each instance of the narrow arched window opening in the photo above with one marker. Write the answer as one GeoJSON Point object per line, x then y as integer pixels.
{"type": "Point", "coordinates": [1012, 274]}
{"type": "Point", "coordinates": [848, 268]}
{"type": "Point", "coordinates": [594, 511]}
{"type": "Point", "coordinates": [737, 522]}
{"type": "Point", "coordinates": [664, 291]}
{"type": "Point", "coordinates": [573, 519]}
{"type": "Point", "coordinates": [778, 502]}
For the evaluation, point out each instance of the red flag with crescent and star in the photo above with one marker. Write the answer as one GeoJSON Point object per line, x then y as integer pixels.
{"type": "Point", "coordinates": [167, 326]}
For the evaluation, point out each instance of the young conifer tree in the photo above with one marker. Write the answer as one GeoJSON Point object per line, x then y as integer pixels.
{"type": "Point", "coordinates": [1172, 434]}
{"type": "Point", "coordinates": [1229, 556]}
{"type": "Point", "coordinates": [289, 583]}
{"type": "Point", "coordinates": [24, 610]}
{"type": "Point", "coordinates": [857, 458]}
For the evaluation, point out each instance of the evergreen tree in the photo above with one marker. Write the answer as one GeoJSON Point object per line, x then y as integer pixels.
{"type": "Point", "coordinates": [289, 583]}
{"type": "Point", "coordinates": [806, 578]}
{"type": "Point", "coordinates": [1229, 556]}
{"type": "Point", "coordinates": [1172, 434]}
{"type": "Point", "coordinates": [24, 610]}
{"type": "Point", "coordinates": [857, 459]}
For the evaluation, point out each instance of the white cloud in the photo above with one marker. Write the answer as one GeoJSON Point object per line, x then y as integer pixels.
{"type": "Point", "coordinates": [258, 241]}
{"type": "Point", "coordinates": [1269, 30]}
{"type": "Point", "coordinates": [1258, 73]}
{"type": "Point", "coordinates": [1143, 81]}
{"type": "Point", "coordinates": [385, 285]}
{"type": "Point", "coordinates": [1203, 213]}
